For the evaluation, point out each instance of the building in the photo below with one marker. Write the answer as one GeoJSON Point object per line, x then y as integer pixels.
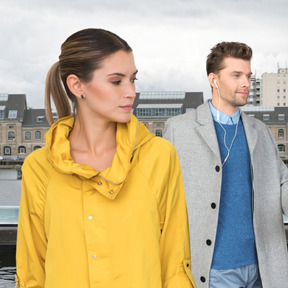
{"type": "Point", "coordinates": [255, 95]}
{"type": "Point", "coordinates": [274, 88]}
{"type": "Point", "coordinates": [276, 119]}
{"type": "Point", "coordinates": [22, 130]}
{"type": "Point", "coordinates": [153, 108]}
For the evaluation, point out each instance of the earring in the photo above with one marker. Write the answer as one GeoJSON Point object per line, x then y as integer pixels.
{"type": "Point", "coordinates": [82, 97]}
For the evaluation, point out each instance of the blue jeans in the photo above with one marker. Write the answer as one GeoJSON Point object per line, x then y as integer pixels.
{"type": "Point", "coordinates": [243, 277]}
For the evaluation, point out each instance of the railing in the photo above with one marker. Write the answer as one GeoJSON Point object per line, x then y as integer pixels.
{"type": "Point", "coordinates": [8, 224]}
{"type": "Point", "coordinates": [9, 215]}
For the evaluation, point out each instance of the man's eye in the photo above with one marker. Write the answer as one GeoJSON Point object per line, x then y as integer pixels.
{"type": "Point", "coordinates": [116, 82]}
{"type": "Point", "coordinates": [133, 80]}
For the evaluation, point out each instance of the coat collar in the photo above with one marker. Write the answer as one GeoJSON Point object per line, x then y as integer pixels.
{"type": "Point", "coordinates": [208, 133]}
{"type": "Point", "coordinates": [129, 137]}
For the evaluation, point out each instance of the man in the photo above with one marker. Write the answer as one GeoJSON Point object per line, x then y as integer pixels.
{"type": "Point", "coordinates": [235, 183]}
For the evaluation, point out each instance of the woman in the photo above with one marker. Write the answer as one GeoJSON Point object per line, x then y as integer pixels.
{"type": "Point", "coordinates": [102, 203]}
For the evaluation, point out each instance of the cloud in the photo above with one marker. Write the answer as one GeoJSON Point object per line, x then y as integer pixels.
{"type": "Point", "coordinates": [170, 39]}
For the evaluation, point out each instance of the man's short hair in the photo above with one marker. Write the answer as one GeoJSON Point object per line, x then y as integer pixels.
{"type": "Point", "coordinates": [219, 52]}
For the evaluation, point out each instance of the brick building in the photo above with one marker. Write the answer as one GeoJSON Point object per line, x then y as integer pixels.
{"type": "Point", "coordinates": [22, 130]}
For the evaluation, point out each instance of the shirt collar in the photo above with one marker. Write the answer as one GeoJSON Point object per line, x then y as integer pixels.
{"type": "Point", "coordinates": [224, 118]}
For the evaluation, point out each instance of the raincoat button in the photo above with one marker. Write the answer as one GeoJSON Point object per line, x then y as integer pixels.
{"type": "Point", "coordinates": [99, 183]}
{"type": "Point", "coordinates": [90, 217]}
{"type": "Point", "coordinates": [111, 191]}
{"type": "Point", "coordinates": [94, 256]}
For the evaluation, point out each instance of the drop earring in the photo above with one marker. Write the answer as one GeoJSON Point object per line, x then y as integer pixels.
{"type": "Point", "coordinates": [82, 96]}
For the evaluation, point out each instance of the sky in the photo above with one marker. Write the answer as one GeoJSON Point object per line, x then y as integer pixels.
{"type": "Point", "coordinates": [170, 38]}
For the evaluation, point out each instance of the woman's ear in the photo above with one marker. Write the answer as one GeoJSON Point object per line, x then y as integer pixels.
{"type": "Point", "coordinates": [74, 85]}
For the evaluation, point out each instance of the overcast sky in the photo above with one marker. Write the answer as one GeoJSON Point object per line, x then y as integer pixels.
{"type": "Point", "coordinates": [170, 38]}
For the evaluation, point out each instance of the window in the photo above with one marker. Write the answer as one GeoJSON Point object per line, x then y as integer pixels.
{"type": "Point", "coordinates": [281, 133]}
{"type": "Point", "coordinates": [37, 134]}
{"type": "Point", "coordinates": [2, 112]}
{"type": "Point", "coordinates": [37, 147]}
{"type": "Point", "coordinates": [284, 104]}
{"type": "Point", "coordinates": [7, 150]}
{"type": "Point", "coordinates": [27, 135]}
{"type": "Point", "coordinates": [266, 117]}
{"type": "Point", "coordinates": [21, 149]}
{"type": "Point", "coordinates": [158, 133]}
{"type": "Point", "coordinates": [281, 117]}
{"type": "Point", "coordinates": [39, 119]}
{"type": "Point", "coordinates": [278, 90]}
{"type": "Point", "coordinates": [281, 148]}
{"type": "Point", "coordinates": [158, 112]}
{"type": "Point", "coordinates": [12, 114]}
{"type": "Point", "coordinates": [11, 135]}
{"type": "Point", "coordinates": [11, 127]}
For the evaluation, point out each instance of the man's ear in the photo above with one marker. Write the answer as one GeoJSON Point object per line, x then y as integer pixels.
{"type": "Point", "coordinates": [212, 78]}
{"type": "Point", "coordinates": [75, 86]}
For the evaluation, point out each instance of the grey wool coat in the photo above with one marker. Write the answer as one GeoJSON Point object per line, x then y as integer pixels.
{"type": "Point", "coordinates": [194, 137]}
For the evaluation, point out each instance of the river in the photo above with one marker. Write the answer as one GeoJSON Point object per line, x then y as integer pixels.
{"type": "Point", "coordinates": [10, 190]}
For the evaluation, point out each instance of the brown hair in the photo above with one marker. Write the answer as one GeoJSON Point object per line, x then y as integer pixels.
{"type": "Point", "coordinates": [219, 52]}
{"type": "Point", "coordinates": [81, 54]}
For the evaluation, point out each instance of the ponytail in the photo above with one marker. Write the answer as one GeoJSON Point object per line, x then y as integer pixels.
{"type": "Point", "coordinates": [54, 88]}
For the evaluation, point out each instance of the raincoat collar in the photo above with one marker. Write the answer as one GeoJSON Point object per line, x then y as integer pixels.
{"type": "Point", "coordinates": [129, 137]}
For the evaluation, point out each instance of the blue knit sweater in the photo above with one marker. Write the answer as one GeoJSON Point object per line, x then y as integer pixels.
{"type": "Point", "coordinates": [235, 241]}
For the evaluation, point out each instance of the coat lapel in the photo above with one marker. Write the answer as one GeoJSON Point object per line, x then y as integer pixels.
{"type": "Point", "coordinates": [250, 131]}
{"type": "Point", "coordinates": [206, 129]}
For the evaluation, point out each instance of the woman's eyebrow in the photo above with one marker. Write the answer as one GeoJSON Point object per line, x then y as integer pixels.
{"type": "Point", "coordinates": [121, 74]}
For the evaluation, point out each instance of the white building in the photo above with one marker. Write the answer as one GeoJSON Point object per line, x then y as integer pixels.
{"type": "Point", "coordinates": [274, 88]}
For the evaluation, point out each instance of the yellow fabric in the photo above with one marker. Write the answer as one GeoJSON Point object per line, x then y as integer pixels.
{"type": "Point", "coordinates": [123, 227]}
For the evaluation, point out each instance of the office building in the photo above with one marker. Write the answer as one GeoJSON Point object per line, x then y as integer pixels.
{"type": "Point", "coordinates": [276, 119]}
{"type": "Point", "coordinates": [274, 88]}
{"type": "Point", "coordinates": [153, 108]}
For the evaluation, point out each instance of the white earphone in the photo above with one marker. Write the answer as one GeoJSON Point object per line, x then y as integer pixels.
{"type": "Point", "coordinates": [236, 129]}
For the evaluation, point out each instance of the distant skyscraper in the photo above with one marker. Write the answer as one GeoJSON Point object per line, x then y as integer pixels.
{"type": "Point", "coordinates": [274, 88]}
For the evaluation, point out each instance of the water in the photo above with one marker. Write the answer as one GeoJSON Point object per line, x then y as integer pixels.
{"type": "Point", "coordinates": [10, 190]}
{"type": "Point", "coordinates": [7, 266]}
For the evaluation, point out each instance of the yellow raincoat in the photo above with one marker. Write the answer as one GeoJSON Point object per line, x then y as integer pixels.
{"type": "Point", "coordinates": [123, 227]}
